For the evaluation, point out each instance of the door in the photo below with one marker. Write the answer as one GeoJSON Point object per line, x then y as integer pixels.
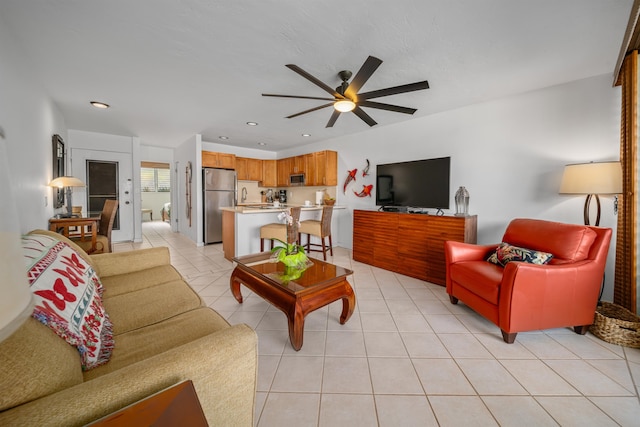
{"type": "Point", "coordinates": [107, 175]}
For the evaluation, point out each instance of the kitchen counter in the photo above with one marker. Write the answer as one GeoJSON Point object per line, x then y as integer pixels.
{"type": "Point", "coordinates": [254, 208]}
{"type": "Point", "coordinates": [241, 225]}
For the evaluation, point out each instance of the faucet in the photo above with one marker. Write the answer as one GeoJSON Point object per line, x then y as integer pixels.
{"type": "Point", "coordinates": [244, 195]}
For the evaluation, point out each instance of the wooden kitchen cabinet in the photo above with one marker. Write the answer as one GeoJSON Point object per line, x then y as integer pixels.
{"type": "Point", "coordinates": [326, 167]}
{"type": "Point", "coordinates": [409, 244]}
{"type": "Point", "coordinates": [248, 169]}
{"type": "Point", "coordinates": [319, 168]}
{"type": "Point", "coordinates": [284, 167]}
{"type": "Point", "coordinates": [211, 159]}
{"type": "Point", "coordinates": [269, 173]}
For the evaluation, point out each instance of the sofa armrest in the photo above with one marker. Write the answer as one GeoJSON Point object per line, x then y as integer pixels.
{"type": "Point", "coordinates": [222, 366]}
{"type": "Point", "coordinates": [114, 263]}
{"type": "Point", "coordinates": [543, 296]}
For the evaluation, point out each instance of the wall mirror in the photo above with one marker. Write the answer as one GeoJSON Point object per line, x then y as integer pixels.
{"type": "Point", "coordinates": [58, 169]}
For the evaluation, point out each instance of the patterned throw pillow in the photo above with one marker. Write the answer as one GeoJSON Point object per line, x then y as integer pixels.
{"type": "Point", "coordinates": [68, 297]}
{"type": "Point", "coordinates": [505, 253]}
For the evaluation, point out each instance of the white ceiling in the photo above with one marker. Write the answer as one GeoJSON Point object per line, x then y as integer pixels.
{"type": "Point", "coordinates": [174, 68]}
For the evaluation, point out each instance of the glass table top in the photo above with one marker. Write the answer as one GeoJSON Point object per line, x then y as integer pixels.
{"type": "Point", "coordinates": [317, 274]}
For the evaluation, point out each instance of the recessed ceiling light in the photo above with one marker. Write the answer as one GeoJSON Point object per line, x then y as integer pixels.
{"type": "Point", "coordinates": [262, 143]}
{"type": "Point", "coordinates": [223, 137]}
{"type": "Point", "coordinates": [306, 134]}
{"type": "Point", "coordinates": [99, 104]}
{"type": "Point", "coordinates": [252, 123]}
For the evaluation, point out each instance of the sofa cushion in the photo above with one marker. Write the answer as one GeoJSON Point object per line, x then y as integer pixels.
{"type": "Point", "coordinates": [141, 344]}
{"type": "Point", "coordinates": [506, 253]}
{"type": "Point", "coordinates": [35, 362]}
{"type": "Point", "coordinates": [485, 278]}
{"type": "Point", "coordinates": [124, 283]}
{"type": "Point", "coordinates": [567, 242]}
{"type": "Point", "coordinates": [67, 295]}
{"type": "Point", "coordinates": [151, 305]}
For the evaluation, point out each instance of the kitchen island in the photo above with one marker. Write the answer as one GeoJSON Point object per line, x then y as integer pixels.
{"type": "Point", "coordinates": [241, 225]}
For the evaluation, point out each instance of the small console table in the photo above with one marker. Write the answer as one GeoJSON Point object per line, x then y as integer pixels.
{"type": "Point", "coordinates": [408, 243]}
{"type": "Point", "coordinates": [174, 406]}
{"type": "Point", "coordinates": [83, 228]}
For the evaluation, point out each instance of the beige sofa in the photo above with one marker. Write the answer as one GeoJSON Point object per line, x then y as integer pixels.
{"type": "Point", "coordinates": [163, 335]}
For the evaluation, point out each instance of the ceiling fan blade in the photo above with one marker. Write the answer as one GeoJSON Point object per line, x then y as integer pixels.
{"type": "Point", "coordinates": [388, 107]}
{"type": "Point", "coordinates": [333, 118]}
{"type": "Point", "coordinates": [298, 97]}
{"type": "Point", "coordinates": [394, 90]}
{"type": "Point", "coordinates": [310, 110]}
{"type": "Point", "coordinates": [314, 80]}
{"type": "Point", "coordinates": [364, 116]}
{"type": "Point", "coordinates": [368, 68]}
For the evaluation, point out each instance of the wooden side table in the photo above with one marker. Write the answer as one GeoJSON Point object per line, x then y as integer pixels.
{"type": "Point", "coordinates": [175, 406]}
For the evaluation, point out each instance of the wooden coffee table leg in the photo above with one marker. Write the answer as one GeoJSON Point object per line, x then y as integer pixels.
{"type": "Point", "coordinates": [348, 304]}
{"type": "Point", "coordinates": [234, 283]}
{"type": "Point", "coordinates": [295, 318]}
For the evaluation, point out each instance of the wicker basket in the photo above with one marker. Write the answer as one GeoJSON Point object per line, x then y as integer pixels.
{"type": "Point", "coordinates": [616, 325]}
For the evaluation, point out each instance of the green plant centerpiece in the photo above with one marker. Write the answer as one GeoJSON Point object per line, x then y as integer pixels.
{"type": "Point", "coordinates": [290, 253]}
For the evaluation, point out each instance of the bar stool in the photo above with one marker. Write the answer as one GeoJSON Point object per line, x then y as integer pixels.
{"type": "Point", "coordinates": [321, 229]}
{"type": "Point", "coordinates": [279, 231]}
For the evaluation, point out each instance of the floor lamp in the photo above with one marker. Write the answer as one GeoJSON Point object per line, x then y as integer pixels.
{"type": "Point", "coordinates": [67, 182]}
{"type": "Point", "coordinates": [592, 179]}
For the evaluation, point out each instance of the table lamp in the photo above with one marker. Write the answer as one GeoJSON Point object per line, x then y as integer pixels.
{"type": "Point", "coordinates": [16, 304]}
{"type": "Point", "coordinates": [67, 182]}
{"type": "Point", "coordinates": [592, 179]}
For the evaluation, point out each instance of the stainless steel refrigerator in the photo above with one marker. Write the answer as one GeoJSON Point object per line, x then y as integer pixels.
{"type": "Point", "coordinates": [219, 188]}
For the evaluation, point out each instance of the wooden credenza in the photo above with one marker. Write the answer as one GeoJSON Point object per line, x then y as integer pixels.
{"type": "Point", "coordinates": [409, 244]}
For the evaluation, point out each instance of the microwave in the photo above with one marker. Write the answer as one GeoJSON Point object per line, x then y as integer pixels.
{"type": "Point", "coordinates": [296, 179]}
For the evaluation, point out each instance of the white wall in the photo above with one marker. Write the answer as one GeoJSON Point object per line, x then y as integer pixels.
{"type": "Point", "coordinates": [29, 119]}
{"type": "Point", "coordinates": [188, 151]}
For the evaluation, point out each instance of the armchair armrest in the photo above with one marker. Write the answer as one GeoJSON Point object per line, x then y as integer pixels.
{"type": "Point", "coordinates": [544, 296]}
{"type": "Point", "coordinates": [459, 251]}
{"type": "Point", "coordinates": [222, 366]}
{"type": "Point", "coordinates": [114, 263]}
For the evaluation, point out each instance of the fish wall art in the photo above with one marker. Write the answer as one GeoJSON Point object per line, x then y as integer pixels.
{"type": "Point", "coordinates": [350, 177]}
{"type": "Point", "coordinates": [366, 191]}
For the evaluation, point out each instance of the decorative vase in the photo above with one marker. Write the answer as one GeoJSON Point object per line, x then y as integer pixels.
{"type": "Point", "coordinates": [462, 202]}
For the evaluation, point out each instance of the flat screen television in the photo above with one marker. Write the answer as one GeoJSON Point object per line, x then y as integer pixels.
{"type": "Point", "coordinates": [415, 184]}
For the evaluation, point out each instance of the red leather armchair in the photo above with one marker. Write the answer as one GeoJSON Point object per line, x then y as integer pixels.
{"type": "Point", "coordinates": [522, 296]}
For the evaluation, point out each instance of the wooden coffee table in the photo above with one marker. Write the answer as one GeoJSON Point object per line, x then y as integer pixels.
{"type": "Point", "coordinates": [320, 284]}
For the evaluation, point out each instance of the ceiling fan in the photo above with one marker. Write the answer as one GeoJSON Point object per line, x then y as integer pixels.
{"type": "Point", "coordinates": [346, 97]}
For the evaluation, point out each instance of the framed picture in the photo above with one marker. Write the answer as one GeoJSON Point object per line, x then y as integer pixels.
{"type": "Point", "coordinates": [59, 160]}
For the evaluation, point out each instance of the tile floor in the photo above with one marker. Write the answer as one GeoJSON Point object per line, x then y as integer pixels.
{"type": "Point", "coordinates": [408, 357]}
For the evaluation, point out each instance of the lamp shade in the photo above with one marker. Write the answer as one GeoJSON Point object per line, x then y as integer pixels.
{"type": "Point", "coordinates": [592, 178]}
{"type": "Point", "coordinates": [16, 303]}
{"type": "Point", "coordinates": [66, 181]}
{"type": "Point", "coordinates": [344, 105]}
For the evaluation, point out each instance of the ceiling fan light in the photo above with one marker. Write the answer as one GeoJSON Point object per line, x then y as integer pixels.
{"type": "Point", "coordinates": [344, 105]}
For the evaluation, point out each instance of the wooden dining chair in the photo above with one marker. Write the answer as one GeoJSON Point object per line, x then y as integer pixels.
{"type": "Point", "coordinates": [319, 228]}
{"type": "Point", "coordinates": [103, 239]}
{"type": "Point", "coordinates": [279, 230]}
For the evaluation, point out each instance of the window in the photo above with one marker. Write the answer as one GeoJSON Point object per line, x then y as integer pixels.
{"type": "Point", "coordinates": [155, 177]}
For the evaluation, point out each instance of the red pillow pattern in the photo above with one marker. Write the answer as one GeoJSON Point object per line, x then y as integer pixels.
{"type": "Point", "coordinates": [68, 297]}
